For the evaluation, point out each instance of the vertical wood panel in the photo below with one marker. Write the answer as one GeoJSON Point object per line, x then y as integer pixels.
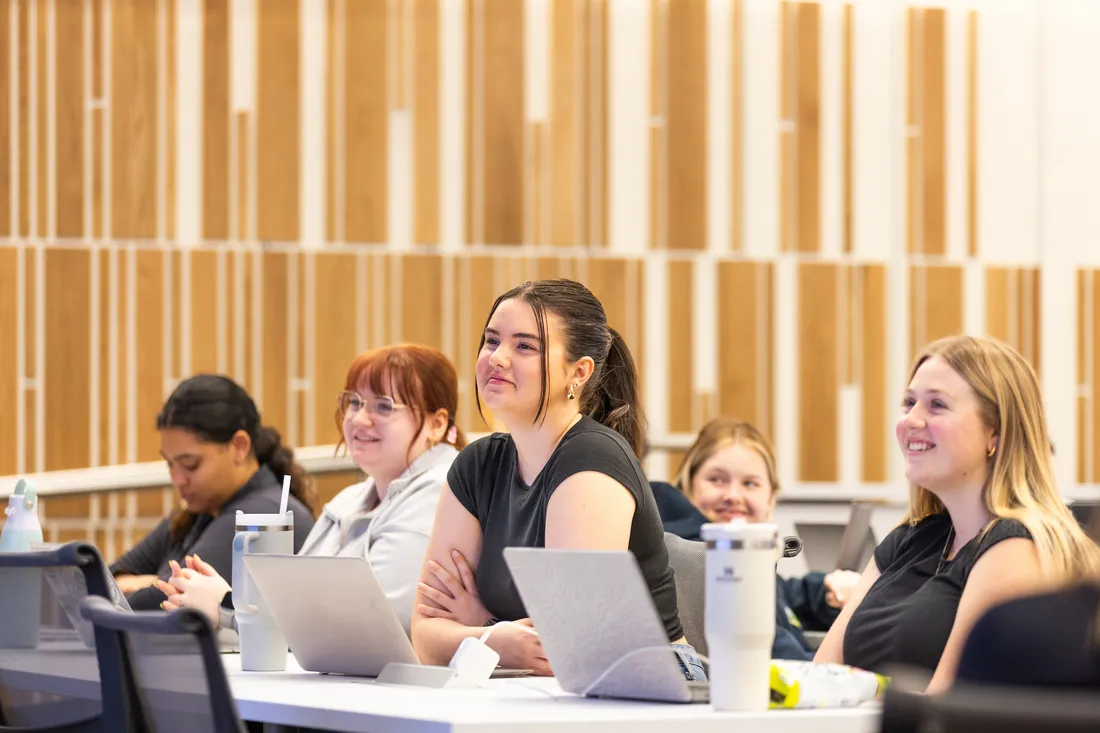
{"type": "Point", "coordinates": [179, 302]}
{"type": "Point", "coordinates": [1029, 321]}
{"type": "Point", "coordinates": [215, 120]}
{"type": "Point", "coordinates": [422, 300]}
{"type": "Point", "coordinates": [687, 124]}
{"type": "Point", "coordinates": [98, 179]}
{"type": "Point", "coordinates": [70, 118]}
{"type": "Point", "coordinates": [1094, 378]}
{"type": "Point", "coordinates": [6, 130]}
{"type": "Point", "coordinates": [366, 121]}
{"type": "Point", "coordinates": [67, 280]}
{"type": "Point", "coordinates": [204, 311]}
{"type": "Point", "coordinates": [133, 119]}
{"type": "Point", "coordinates": [595, 186]}
{"type": "Point", "coordinates": [607, 281]}
{"type": "Point", "coordinates": [565, 134]}
{"type": "Point", "coordinates": [737, 78]}
{"type": "Point", "coordinates": [334, 337]}
{"type": "Point", "coordinates": [42, 109]}
{"type": "Point", "coordinates": [818, 380]}
{"type": "Point", "coordinates": [503, 121]}
{"type": "Point", "coordinates": [169, 172]}
{"type": "Point", "coordinates": [788, 113]}
{"type": "Point", "coordinates": [275, 333]}
{"type": "Point", "coordinates": [482, 290]}
{"type": "Point", "coordinates": [941, 307]}
{"type": "Point", "coordinates": [9, 369]}
{"type": "Point", "coordinates": [277, 121]}
{"type": "Point", "coordinates": [241, 121]}
{"type": "Point", "coordinates": [23, 222]}
{"type": "Point", "coordinates": [426, 122]}
{"type": "Point", "coordinates": [808, 129]}
{"type": "Point", "coordinates": [238, 321]}
{"type": "Point", "coordinates": [997, 305]}
{"type": "Point", "coordinates": [740, 377]}
{"type": "Point", "coordinates": [658, 135]}
{"type": "Point", "coordinates": [150, 374]}
{"type": "Point", "coordinates": [873, 376]}
{"type": "Point", "coordinates": [103, 353]}
{"type": "Point", "coordinates": [914, 25]}
{"type": "Point", "coordinates": [934, 131]}
{"type": "Point", "coordinates": [680, 347]}
{"type": "Point", "coordinates": [30, 367]}
{"type": "Point", "coordinates": [848, 156]}
{"type": "Point", "coordinates": [335, 32]}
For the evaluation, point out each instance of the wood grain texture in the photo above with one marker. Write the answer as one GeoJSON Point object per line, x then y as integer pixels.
{"type": "Point", "coordinates": [273, 401]}
{"type": "Point", "coordinates": [67, 282]}
{"type": "Point", "coordinates": [31, 367]}
{"type": "Point", "coordinates": [42, 125]}
{"type": "Point", "coordinates": [6, 130]}
{"type": "Point", "coordinates": [366, 121]}
{"type": "Point", "coordinates": [743, 314]}
{"type": "Point", "coordinates": [133, 119]}
{"type": "Point", "coordinates": [23, 223]}
{"type": "Point", "coordinates": [940, 308]}
{"type": "Point", "coordinates": [426, 121]}
{"type": "Point", "coordinates": [70, 118]}
{"type": "Point", "coordinates": [1094, 378]}
{"type": "Point", "coordinates": [328, 485]}
{"type": "Point", "coordinates": [169, 172]}
{"type": "Point", "coordinates": [148, 343]}
{"type": "Point", "coordinates": [933, 128]}
{"type": "Point", "coordinates": [565, 130]}
{"type": "Point", "coordinates": [238, 321]}
{"type": "Point", "coordinates": [333, 337]}
{"type": "Point", "coordinates": [807, 182]}
{"type": "Point", "coordinates": [277, 121]}
{"type": "Point", "coordinates": [997, 305]}
{"type": "Point", "coordinates": [422, 300]}
{"type": "Point", "coordinates": [480, 290]}
{"type": "Point", "coordinates": [9, 367]}
{"type": "Point", "coordinates": [818, 377]}
{"type": "Point", "coordinates": [503, 121]}
{"type": "Point", "coordinates": [215, 120]}
{"type": "Point", "coordinates": [687, 124]}
{"type": "Point", "coordinates": [873, 378]}
{"type": "Point", "coordinates": [681, 357]}
{"type": "Point", "coordinates": [204, 311]}
{"type": "Point", "coordinates": [101, 311]}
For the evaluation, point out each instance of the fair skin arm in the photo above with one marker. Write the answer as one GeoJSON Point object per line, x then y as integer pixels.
{"type": "Point", "coordinates": [832, 649]}
{"type": "Point", "coordinates": [587, 511]}
{"type": "Point", "coordinates": [1010, 569]}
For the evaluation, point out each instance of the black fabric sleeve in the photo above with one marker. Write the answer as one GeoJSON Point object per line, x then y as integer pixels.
{"type": "Point", "coordinates": [463, 477]}
{"type": "Point", "coordinates": [887, 550]}
{"type": "Point", "coordinates": [806, 598]}
{"type": "Point", "coordinates": [1003, 529]}
{"type": "Point", "coordinates": [594, 451]}
{"type": "Point", "coordinates": [146, 556]}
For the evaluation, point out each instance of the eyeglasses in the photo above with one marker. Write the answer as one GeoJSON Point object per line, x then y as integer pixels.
{"type": "Point", "coordinates": [381, 407]}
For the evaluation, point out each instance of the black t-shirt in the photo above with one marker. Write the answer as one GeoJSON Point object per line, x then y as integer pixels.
{"type": "Point", "coordinates": [485, 479]}
{"type": "Point", "coordinates": [907, 614]}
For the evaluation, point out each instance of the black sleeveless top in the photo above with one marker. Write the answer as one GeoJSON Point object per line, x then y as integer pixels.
{"type": "Point", "coordinates": [485, 479]}
{"type": "Point", "coordinates": [907, 614]}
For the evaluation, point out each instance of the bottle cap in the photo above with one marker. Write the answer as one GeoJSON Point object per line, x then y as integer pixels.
{"type": "Point", "coordinates": [762, 535]}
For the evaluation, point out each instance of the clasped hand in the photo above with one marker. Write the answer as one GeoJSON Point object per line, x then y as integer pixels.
{"type": "Point", "coordinates": [196, 586]}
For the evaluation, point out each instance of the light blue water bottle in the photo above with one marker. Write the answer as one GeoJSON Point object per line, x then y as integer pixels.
{"type": "Point", "coordinates": [20, 588]}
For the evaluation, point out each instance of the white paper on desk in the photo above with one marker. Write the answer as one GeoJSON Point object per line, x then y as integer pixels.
{"type": "Point", "coordinates": [67, 584]}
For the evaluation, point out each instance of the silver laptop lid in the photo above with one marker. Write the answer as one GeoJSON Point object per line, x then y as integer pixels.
{"type": "Point", "coordinates": [333, 611]}
{"type": "Point", "coordinates": [592, 608]}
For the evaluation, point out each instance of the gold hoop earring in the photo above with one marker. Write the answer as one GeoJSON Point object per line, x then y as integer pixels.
{"type": "Point", "coordinates": [571, 393]}
{"type": "Point", "coordinates": [991, 452]}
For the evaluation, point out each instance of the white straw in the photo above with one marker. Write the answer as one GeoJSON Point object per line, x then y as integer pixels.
{"type": "Point", "coordinates": [286, 495]}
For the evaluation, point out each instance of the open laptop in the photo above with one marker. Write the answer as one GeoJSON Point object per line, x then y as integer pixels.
{"type": "Point", "coordinates": [849, 546]}
{"type": "Point", "coordinates": [333, 612]}
{"type": "Point", "coordinates": [599, 627]}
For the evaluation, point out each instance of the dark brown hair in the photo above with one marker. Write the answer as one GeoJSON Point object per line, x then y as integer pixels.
{"type": "Point", "coordinates": [213, 408]}
{"type": "Point", "coordinates": [611, 395]}
{"type": "Point", "coordinates": [419, 376]}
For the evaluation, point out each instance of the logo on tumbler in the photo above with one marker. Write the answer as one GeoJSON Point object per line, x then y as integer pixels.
{"type": "Point", "coordinates": [728, 575]}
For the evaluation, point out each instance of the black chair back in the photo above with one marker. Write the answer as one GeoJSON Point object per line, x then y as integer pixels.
{"type": "Point", "coordinates": [168, 671]}
{"type": "Point", "coordinates": [43, 640]}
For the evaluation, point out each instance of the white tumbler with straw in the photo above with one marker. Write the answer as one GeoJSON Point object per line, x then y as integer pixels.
{"type": "Point", "coordinates": [263, 645]}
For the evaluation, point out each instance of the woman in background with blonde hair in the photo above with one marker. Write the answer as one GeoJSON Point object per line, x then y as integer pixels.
{"type": "Point", "coordinates": [985, 524]}
{"type": "Point", "coordinates": [729, 473]}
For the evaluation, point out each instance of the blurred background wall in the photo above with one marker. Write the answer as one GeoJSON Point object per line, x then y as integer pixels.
{"type": "Point", "coordinates": [778, 202]}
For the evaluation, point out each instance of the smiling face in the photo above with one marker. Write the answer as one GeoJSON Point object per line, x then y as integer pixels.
{"type": "Point", "coordinates": [733, 483]}
{"type": "Point", "coordinates": [382, 435]}
{"type": "Point", "coordinates": [205, 474]}
{"type": "Point", "coordinates": [941, 432]}
{"type": "Point", "coordinates": [510, 364]}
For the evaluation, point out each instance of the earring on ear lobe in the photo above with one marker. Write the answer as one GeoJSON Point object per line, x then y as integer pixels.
{"type": "Point", "coordinates": [571, 393]}
{"type": "Point", "coordinates": [991, 452]}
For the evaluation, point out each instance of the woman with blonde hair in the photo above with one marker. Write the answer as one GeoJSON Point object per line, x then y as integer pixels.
{"type": "Point", "coordinates": [985, 523]}
{"type": "Point", "coordinates": [729, 473]}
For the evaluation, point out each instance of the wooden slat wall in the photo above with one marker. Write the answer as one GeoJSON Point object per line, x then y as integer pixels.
{"type": "Point", "coordinates": [113, 310]}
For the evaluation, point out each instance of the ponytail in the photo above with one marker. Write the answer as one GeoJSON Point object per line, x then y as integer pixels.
{"type": "Point", "coordinates": [611, 397]}
{"type": "Point", "coordinates": [270, 451]}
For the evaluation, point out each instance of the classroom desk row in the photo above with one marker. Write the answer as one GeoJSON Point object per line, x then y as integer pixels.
{"type": "Point", "coordinates": [535, 705]}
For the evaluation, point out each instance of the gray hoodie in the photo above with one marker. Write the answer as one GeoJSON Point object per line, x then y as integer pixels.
{"type": "Point", "coordinates": [393, 535]}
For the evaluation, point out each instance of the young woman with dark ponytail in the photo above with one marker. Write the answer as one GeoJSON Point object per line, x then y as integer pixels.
{"type": "Point", "coordinates": [221, 458]}
{"type": "Point", "coordinates": [565, 475]}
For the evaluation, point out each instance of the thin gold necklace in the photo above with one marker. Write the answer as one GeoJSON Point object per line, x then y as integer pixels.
{"type": "Point", "coordinates": [946, 546]}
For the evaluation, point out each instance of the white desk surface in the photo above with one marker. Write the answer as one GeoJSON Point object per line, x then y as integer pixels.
{"type": "Point", "coordinates": [537, 705]}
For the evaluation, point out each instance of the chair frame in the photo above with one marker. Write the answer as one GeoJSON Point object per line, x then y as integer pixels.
{"type": "Point", "coordinates": [80, 555]}
{"type": "Point", "coordinates": [116, 662]}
